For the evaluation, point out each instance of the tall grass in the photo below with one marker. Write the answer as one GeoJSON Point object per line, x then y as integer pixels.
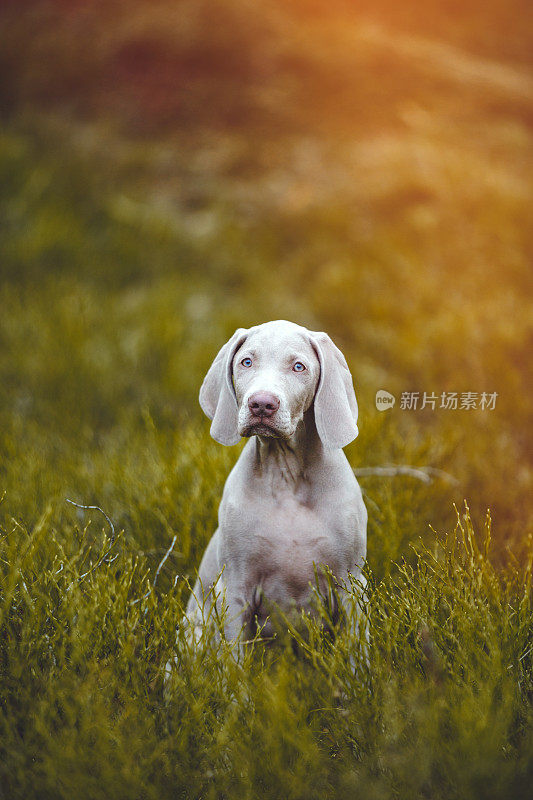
{"type": "Point", "coordinates": [438, 706]}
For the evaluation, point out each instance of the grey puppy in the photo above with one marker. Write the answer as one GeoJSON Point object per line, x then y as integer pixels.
{"type": "Point", "coordinates": [291, 504]}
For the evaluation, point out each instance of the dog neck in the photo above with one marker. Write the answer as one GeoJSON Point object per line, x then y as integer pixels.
{"type": "Point", "coordinates": [285, 463]}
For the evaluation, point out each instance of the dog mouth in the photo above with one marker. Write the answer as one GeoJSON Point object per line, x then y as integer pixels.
{"type": "Point", "coordinates": [261, 427]}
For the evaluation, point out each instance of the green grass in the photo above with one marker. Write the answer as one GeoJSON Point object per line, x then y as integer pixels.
{"type": "Point", "coordinates": [366, 174]}
{"type": "Point", "coordinates": [440, 708]}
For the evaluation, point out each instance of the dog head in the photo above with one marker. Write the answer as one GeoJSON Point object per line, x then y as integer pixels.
{"type": "Point", "coordinates": [265, 378]}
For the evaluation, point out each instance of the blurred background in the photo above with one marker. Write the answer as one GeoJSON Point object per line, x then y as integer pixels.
{"type": "Point", "coordinates": [170, 171]}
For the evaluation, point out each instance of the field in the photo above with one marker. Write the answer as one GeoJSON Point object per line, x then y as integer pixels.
{"type": "Point", "coordinates": [170, 171]}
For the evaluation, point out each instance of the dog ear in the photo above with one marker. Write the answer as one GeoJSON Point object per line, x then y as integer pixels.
{"type": "Point", "coordinates": [335, 403]}
{"type": "Point", "coordinates": [217, 395]}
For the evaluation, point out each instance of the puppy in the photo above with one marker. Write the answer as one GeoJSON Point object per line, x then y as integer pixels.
{"type": "Point", "coordinates": [291, 505]}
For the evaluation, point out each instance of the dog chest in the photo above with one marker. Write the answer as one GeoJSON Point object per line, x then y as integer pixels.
{"type": "Point", "coordinates": [283, 541]}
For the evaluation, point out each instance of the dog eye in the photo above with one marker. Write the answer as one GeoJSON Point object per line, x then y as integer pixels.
{"type": "Point", "coordinates": [246, 362]}
{"type": "Point", "coordinates": [298, 367]}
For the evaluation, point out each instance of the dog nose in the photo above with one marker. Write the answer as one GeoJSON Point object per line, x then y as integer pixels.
{"type": "Point", "coordinates": [263, 404]}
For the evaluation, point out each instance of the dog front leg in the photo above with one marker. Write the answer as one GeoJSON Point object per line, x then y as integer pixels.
{"type": "Point", "coordinates": [236, 615]}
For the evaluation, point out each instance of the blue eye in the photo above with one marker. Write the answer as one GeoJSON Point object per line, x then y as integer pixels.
{"type": "Point", "coordinates": [246, 362]}
{"type": "Point", "coordinates": [298, 367]}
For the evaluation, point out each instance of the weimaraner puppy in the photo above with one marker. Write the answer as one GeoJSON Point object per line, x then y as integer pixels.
{"type": "Point", "coordinates": [291, 504]}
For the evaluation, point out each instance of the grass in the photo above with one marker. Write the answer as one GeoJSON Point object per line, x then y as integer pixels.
{"type": "Point", "coordinates": [374, 182]}
{"type": "Point", "coordinates": [448, 678]}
